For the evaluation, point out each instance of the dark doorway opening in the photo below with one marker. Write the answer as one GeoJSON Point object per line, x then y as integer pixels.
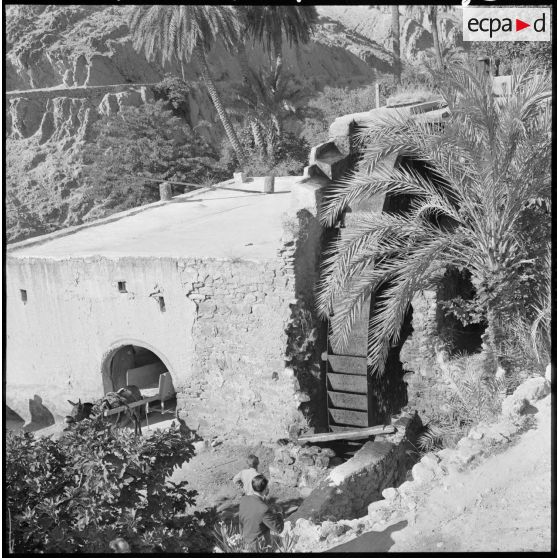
{"type": "Point", "coordinates": [126, 358]}
{"type": "Point", "coordinates": [457, 337]}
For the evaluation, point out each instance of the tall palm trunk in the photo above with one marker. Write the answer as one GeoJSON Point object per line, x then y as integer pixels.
{"type": "Point", "coordinates": [278, 52]}
{"type": "Point", "coordinates": [396, 33]}
{"type": "Point", "coordinates": [243, 62]}
{"type": "Point", "coordinates": [229, 130]}
{"type": "Point", "coordinates": [492, 341]}
{"type": "Point", "coordinates": [436, 36]}
{"type": "Point", "coordinates": [258, 137]}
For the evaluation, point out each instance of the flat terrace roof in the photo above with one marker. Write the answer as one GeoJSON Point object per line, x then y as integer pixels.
{"type": "Point", "coordinates": [225, 222]}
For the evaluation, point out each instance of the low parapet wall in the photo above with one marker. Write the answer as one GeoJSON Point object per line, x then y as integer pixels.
{"type": "Point", "coordinates": [74, 92]}
{"type": "Point", "coordinates": [353, 485]}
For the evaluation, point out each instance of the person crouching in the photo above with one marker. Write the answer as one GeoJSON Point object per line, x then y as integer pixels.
{"type": "Point", "coordinates": [256, 517]}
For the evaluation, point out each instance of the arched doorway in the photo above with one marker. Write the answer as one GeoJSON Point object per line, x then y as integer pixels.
{"type": "Point", "coordinates": [130, 356]}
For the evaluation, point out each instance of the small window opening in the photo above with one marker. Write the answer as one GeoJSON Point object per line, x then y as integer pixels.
{"type": "Point", "coordinates": [23, 294]}
{"type": "Point", "coordinates": [122, 286]}
{"type": "Point", "coordinates": [162, 304]}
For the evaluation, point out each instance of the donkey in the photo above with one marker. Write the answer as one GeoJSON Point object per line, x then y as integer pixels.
{"type": "Point", "coordinates": [123, 397]}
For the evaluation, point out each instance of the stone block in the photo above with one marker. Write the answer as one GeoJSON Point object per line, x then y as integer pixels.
{"type": "Point", "coordinates": [467, 454]}
{"type": "Point", "coordinates": [311, 477]}
{"type": "Point", "coordinates": [328, 451]}
{"type": "Point", "coordinates": [475, 434]}
{"type": "Point", "coordinates": [422, 473]}
{"type": "Point", "coordinates": [447, 454]}
{"type": "Point", "coordinates": [322, 461]}
{"type": "Point", "coordinates": [390, 493]}
{"type": "Point", "coordinates": [430, 460]}
{"type": "Point", "coordinates": [286, 475]}
{"type": "Point", "coordinates": [305, 460]}
{"type": "Point", "coordinates": [533, 389]}
{"type": "Point", "coordinates": [239, 177]}
{"type": "Point", "coordinates": [406, 487]}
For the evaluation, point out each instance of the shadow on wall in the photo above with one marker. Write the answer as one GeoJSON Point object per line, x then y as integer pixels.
{"type": "Point", "coordinates": [306, 332]}
{"type": "Point", "coordinates": [13, 420]}
{"type": "Point", "coordinates": [373, 541]}
{"type": "Point", "coordinates": [41, 417]}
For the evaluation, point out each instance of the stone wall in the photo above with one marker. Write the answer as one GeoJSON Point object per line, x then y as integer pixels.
{"type": "Point", "coordinates": [239, 339]}
{"type": "Point", "coordinates": [418, 354]}
{"type": "Point", "coordinates": [75, 315]}
{"type": "Point", "coordinates": [222, 336]}
{"type": "Point", "coordinates": [302, 467]}
{"type": "Point", "coordinates": [226, 333]}
{"type": "Point", "coordinates": [352, 486]}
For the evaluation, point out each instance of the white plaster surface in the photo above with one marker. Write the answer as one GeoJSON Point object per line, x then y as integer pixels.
{"type": "Point", "coordinates": [237, 222]}
{"type": "Point", "coordinates": [218, 258]}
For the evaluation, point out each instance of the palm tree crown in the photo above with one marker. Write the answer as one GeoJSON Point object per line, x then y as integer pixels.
{"type": "Point", "coordinates": [185, 33]}
{"type": "Point", "coordinates": [482, 166]}
{"type": "Point", "coordinates": [268, 24]}
{"type": "Point", "coordinates": [178, 32]}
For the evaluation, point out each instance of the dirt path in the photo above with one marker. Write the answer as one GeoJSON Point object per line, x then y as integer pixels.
{"type": "Point", "coordinates": [211, 470]}
{"type": "Point", "coordinates": [503, 505]}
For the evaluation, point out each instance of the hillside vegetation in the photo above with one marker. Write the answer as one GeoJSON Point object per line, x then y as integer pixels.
{"type": "Point", "coordinates": [70, 47]}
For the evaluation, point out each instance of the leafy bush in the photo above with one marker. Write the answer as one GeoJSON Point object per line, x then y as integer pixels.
{"type": "Point", "coordinates": [175, 91]}
{"type": "Point", "coordinates": [145, 141]}
{"type": "Point", "coordinates": [96, 484]}
{"type": "Point", "coordinates": [459, 399]}
{"type": "Point", "coordinates": [332, 102]}
{"type": "Point", "coordinates": [230, 540]}
{"type": "Point", "coordinates": [289, 158]}
{"type": "Point", "coordinates": [512, 52]}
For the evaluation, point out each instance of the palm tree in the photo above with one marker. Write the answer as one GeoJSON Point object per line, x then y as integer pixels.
{"type": "Point", "coordinates": [186, 33]}
{"type": "Point", "coordinates": [432, 13]}
{"type": "Point", "coordinates": [485, 163]}
{"type": "Point", "coordinates": [396, 34]}
{"type": "Point", "coordinates": [268, 24]}
{"type": "Point", "coordinates": [433, 16]}
{"type": "Point", "coordinates": [264, 100]}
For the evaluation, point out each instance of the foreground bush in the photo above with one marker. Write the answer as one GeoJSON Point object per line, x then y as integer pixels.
{"type": "Point", "coordinates": [229, 541]}
{"type": "Point", "coordinates": [458, 399]}
{"type": "Point", "coordinates": [96, 484]}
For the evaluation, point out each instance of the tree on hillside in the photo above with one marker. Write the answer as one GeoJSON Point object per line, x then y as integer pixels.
{"type": "Point", "coordinates": [145, 141]}
{"type": "Point", "coordinates": [483, 167]}
{"type": "Point", "coordinates": [186, 33]}
{"type": "Point", "coordinates": [264, 101]}
{"type": "Point", "coordinates": [396, 35]}
{"type": "Point", "coordinates": [432, 14]}
{"type": "Point", "coordinates": [269, 24]}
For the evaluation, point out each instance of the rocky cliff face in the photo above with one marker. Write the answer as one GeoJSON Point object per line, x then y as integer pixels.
{"type": "Point", "coordinates": [66, 65]}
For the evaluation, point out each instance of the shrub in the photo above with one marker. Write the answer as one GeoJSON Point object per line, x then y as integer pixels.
{"type": "Point", "coordinates": [175, 91]}
{"type": "Point", "coordinates": [459, 399]}
{"type": "Point", "coordinates": [332, 102]}
{"type": "Point", "coordinates": [229, 540]}
{"type": "Point", "coordinates": [96, 484]}
{"type": "Point", "coordinates": [145, 141]}
{"type": "Point", "coordinates": [289, 158]}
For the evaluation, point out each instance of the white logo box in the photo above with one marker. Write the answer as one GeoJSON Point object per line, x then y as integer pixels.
{"type": "Point", "coordinates": [500, 24]}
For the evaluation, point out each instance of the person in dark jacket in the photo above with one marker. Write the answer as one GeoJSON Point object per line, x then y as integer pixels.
{"type": "Point", "coordinates": [257, 519]}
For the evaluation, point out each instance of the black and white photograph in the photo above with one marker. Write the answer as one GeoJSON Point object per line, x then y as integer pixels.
{"type": "Point", "coordinates": [279, 278]}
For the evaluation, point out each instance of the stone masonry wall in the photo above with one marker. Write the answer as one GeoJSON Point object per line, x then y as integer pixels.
{"type": "Point", "coordinates": [353, 485]}
{"type": "Point", "coordinates": [239, 338]}
{"type": "Point", "coordinates": [222, 335]}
